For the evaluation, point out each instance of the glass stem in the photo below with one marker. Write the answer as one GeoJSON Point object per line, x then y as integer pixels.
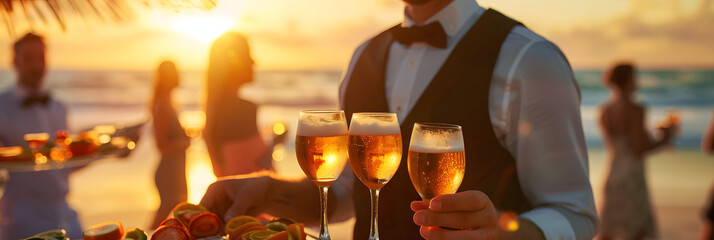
{"type": "Point", "coordinates": [324, 233]}
{"type": "Point", "coordinates": [373, 227]}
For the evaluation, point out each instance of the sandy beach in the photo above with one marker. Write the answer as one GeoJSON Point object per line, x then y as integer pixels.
{"type": "Point", "coordinates": [123, 189]}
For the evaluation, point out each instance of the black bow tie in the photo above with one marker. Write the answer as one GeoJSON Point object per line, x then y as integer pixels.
{"type": "Point", "coordinates": [432, 34]}
{"type": "Point", "coordinates": [35, 99]}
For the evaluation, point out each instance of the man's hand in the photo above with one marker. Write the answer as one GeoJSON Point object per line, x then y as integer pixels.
{"type": "Point", "coordinates": [470, 213]}
{"type": "Point", "coordinates": [261, 193]}
{"type": "Point", "coordinates": [238, 195]}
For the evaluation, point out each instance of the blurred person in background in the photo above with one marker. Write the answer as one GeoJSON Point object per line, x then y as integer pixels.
{"type": "Point", "coordinates": [708, 148]}
{"type": "Point", "coordinates": [231, 132]}
{"type": "Point", "coordinates": [627, 210]}
{"type": "Point", "coordinates": [171, 141]}
{"type": "Point", "coordinates": [34, 201]}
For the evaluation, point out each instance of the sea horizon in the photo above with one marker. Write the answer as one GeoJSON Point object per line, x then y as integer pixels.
{"type": "Point", "coordinates": [125, 95]}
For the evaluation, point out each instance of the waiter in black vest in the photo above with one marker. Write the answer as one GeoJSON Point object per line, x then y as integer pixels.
{"type": "Point", "coordinates": [515, 96]}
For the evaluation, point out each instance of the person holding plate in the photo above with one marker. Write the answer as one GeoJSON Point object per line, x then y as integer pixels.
{"type": "Point", "coordinates": [34, 201]}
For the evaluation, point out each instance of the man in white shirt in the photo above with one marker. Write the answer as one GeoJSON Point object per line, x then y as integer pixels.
{"type": "Point", "coordinates": [33, 201]}
{"type": "Point", "coordinates": [516, 97]}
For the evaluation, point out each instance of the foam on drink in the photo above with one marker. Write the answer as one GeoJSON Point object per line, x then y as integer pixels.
{"type": "Point", "coordinates": [317, 127]}
{"type": "Point", "coordinates": [436, 160]}
{"type": "Point", "coordinates": [373, 126]}
{"type": "Point", "coordinates": [440, 142]}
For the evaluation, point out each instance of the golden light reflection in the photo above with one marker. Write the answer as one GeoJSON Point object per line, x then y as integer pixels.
{"type": "Point", "coordinates": [119, 141]}
{"type": "Point", "coordinates": [395, 158]}
{"type": "Point", "coordinates": [325, 167]}
{"type": "Point", "coordinates": [279, 128]}
{"type": "Point", "coordinates": [40, 159]}
{"type": "Point", "coordinates": [199, 171]}
{"type": "Point", "coordinates": [104, 138]}
{"type": "Point", "coordinates": [204, 27]}
{"type": "Point", "coordinates": [330, 159]}
{"type": "Point", "coordinates": [278, 152]}
{"type": "Point", "coordinates": [508, 221]}
{"type": "Point", "coordinates": [131, 145]}
{"type": "Point", "coordinates": [193, 122]}
{"type": "Point", "coordinates": [105, 129]}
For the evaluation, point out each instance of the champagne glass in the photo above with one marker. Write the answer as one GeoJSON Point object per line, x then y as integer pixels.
{"type": "Point", "coordinates": [436, 159]}
{"type": "Point", "coordinates": [321, 148]}
{"type": "Point", "coordinates": [375, 150]}
{"type": "Point", "coordinates": [35, 141]}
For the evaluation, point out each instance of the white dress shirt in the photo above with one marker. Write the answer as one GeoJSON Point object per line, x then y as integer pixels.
{"type": "Point", "coordinates": [33, 201]}
{"type": "Point", "coordinates": [534, 105]}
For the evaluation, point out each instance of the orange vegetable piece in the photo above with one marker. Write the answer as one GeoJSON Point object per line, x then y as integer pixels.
{"type": "Point", "coordinates": [244, 229]}
{"type": "Point", "coordinates": [104, 231]}
{"type": "Point", "coordinates": [171, 222]}
{"type": "Point", "coordinates": [169, 232]}
{"type": "Point", "coordinates": [238, 221]}
{"type": "Point", "coordinates": [205, 224]}
{"type": "Point", "coordinates": [297, 231]}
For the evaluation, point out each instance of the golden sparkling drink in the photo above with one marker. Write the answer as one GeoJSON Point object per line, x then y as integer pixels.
{"type": "Point", "coordinates": [321, 151]}
{"type": "Point", "coordinates": [436, 173]}
{"type": "Point", "coordinates": [375, 158]}
{"type": "Point", "coordinates": [322, 158]}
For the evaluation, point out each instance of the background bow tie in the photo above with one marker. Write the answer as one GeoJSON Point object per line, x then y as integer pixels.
{"type": "Point", "coordinates": [35, 99]}
{"type": "Point", "coordinates": [432, 34]}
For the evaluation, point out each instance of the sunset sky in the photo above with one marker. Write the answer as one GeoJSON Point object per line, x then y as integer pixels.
{"type": "Point", "coordinates": [322, 34]}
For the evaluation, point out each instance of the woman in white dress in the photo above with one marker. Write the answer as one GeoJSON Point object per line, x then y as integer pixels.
{"type": "Point", "coordinates": [627, 211]}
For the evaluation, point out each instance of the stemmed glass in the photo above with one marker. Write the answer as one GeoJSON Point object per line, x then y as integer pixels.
{"type": "Point", "coordinates": [436, 159]}
{"type": "Point", "coordinates": [321, 148]}
{"type": "Point", "coordinates": [375, 150]}
{"type": "Point", "coordinates": [35, 141]}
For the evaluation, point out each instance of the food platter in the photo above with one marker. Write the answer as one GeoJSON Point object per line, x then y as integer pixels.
{"type": "Point", "coordinates": [28, 164]}
{"type": "Point", "coordinates": [192, 222]}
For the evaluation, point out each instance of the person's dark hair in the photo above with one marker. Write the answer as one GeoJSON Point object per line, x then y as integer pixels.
{"type": "Point", "coordinates": [29, 37]}
{"type": "Point", "coordinates": [166, 76]}
{"type": "Point", "coordinates": [621, 76]}
{"type": "Point", "coordinates": [230, 65]}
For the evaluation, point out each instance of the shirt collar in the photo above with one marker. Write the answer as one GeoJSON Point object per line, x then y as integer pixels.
{"type": "Point", "coordinates": [22, 92]}
{"type": "Point", "coordinates": [453, 17]}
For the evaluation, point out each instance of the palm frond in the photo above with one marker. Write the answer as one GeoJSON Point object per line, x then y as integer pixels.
{"type": "Point", "coordinates": [117, 10]}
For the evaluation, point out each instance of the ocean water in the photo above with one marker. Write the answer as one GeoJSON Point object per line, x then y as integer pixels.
{"type": "Point", "coordinates": [95, 97]}
{"type": "Point", "coordinates": [689, 92]}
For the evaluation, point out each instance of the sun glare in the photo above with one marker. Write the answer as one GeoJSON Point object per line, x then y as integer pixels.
{"type": "Point", "coordinates": [199, 175]}
{"type": "Point", "coordinates": [203, 27]}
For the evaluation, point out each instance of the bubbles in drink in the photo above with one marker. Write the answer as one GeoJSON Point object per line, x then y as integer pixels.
{"type": "Point", "coordinates": [375, 147]}
{"type": "Point", "coordinates": [436, 159]}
